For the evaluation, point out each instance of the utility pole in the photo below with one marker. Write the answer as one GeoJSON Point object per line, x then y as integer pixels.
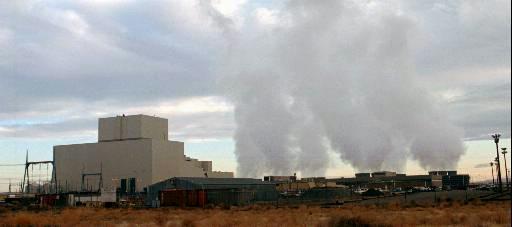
{"type": "Point", "coordinates": [492, 172]}
{"type": "Point", "coordinates": [504, 151]}
{"type": "Point", "coordinates": [497, 166]}
{"type": "Point", "coordinates": [497, 140]}
{"type": "Point", "coordinates": [26, 175]}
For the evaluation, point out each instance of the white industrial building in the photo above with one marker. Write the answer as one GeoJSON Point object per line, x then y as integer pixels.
{"type": "Point", "coordinates": [132, 152]}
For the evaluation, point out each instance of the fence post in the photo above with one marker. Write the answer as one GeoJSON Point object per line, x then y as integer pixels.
{"type": "Point", "coordinates": [466, 200]}
{"type": "Point", "coordinates": [435, 196]}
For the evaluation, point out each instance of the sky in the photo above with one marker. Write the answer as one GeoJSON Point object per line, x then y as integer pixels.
{"type": "Point", "coordinates": [64, 64]}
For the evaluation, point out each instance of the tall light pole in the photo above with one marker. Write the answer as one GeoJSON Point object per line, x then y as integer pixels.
{"type": "Point", "coordinates": [504, 151]}
{"type": "Point", "coordinates": [498, 167]}
{"type": "Point", "coordinates": [497, 140]}
{"type": "Point", "coordinates": [492, 172]}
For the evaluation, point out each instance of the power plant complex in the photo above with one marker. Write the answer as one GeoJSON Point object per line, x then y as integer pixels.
{"type": "Point", "coordinates": [132, 152]}
{"type": "Point", "coordinates": [135, 162]}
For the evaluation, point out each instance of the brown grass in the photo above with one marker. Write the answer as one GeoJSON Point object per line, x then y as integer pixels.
{"type": "Point", "coordinates": [446, 213]}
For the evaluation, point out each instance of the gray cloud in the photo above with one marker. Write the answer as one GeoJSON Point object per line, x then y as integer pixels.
{"type": "Point", "coordinates": [194, 126]}
{"type": "Point", "coordinates": [483, 110]}
{"type": "Point", "coordinates": [75, 127]}
{"type": "Point", "coordinates": [72, 53]}
{"type": "Point", "coordinates": [63, 64]}
{"type": "Point", "coordinates": [460, 34]}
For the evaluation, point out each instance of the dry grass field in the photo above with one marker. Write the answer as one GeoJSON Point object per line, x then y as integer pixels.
{"type": "Point", "coordinates": [446, 213]}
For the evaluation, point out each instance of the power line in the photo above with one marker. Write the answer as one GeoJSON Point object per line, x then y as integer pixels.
{"type": "Point", "coordinates": [12, 164]}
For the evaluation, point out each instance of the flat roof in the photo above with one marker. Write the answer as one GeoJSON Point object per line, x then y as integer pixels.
{"type": "Point", "coordinates": [389, 178]}
{"type": "Point", "coordinates": [134, 115]}
{"type": "Point", "coordinates": [220, 181]}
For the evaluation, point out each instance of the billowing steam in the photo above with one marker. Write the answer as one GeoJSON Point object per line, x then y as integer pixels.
{"type": "Point", "coordinates": [333, 76]}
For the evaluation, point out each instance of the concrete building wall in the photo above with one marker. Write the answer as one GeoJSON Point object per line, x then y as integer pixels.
{"type": "Point", "coordinates": [363, 175]}
{"type": "Point", "coordinates": [383, 174]}
{"type": "Point", "coordinates": [443, 172]}
{"type": "Point", "coordinates": [206, 165]}
{"type": "Point", "coordinates": [154, 127]}
{"type": "Point", "coordinates": [220, 174]}
{"type": "Point", "coordinates": [132, 127]}
{"type": "Point", "coordinates": [193, 161]}
{"type": "Point", "coordinates": [116, 160]}
{"type": "Point", "coordinates": [168, 159]}
{"type": "Point", "coordinates": [130, 147]}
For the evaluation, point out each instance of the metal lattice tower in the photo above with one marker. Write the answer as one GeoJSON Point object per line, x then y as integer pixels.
{"type": "Point", "coordinates": [26, 175]}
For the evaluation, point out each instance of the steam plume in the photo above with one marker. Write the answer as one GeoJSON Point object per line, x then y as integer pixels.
{"type": "Point", "coordinates": [333, 76]}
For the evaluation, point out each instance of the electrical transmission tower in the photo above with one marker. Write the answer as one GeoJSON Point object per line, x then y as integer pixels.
{"type": "Point", "coordinates": [25, 186]}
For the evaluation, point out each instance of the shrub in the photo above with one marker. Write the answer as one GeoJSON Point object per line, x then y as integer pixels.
{"type": "Point", "coordinates": [488, 214]}
{"type": "Point", "coordinates": [372, 192]}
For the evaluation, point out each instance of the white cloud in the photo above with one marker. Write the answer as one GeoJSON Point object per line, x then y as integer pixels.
{"type": "Point", "coordinates": [198, 105]}
{"type": "Point", "coordinates": [4, 130]}
{"type": "Point", "coordinates": [267, 16]}
{"type": "Point", "coordinates": [185, 106]}
{"type": "Point", "coordinates": [69, 20]}
{"type": "Point", "coordinates": [229, 8]}
{"type": "Point", "coordinates": [451, 94]}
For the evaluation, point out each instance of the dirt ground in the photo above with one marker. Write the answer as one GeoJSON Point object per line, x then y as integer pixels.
{"type": "Point", "coordinates": [476, 213]}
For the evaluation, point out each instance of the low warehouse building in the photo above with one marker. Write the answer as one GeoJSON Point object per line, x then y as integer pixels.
{"type": "Point", "coordinates": [459, 181]}
{"type": "Point", "coordinates": [452, 180]}
{"type": "Point", "coordinates": [391, 180]}
{"type": "Point", "coordinates": [280, 178]}
{"type": "Point", "coordinates": [178, 191]}
{"type": "Point", "coordinates": [132, 153]}
{"type": "Point", "coordinates": [384, 174]}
